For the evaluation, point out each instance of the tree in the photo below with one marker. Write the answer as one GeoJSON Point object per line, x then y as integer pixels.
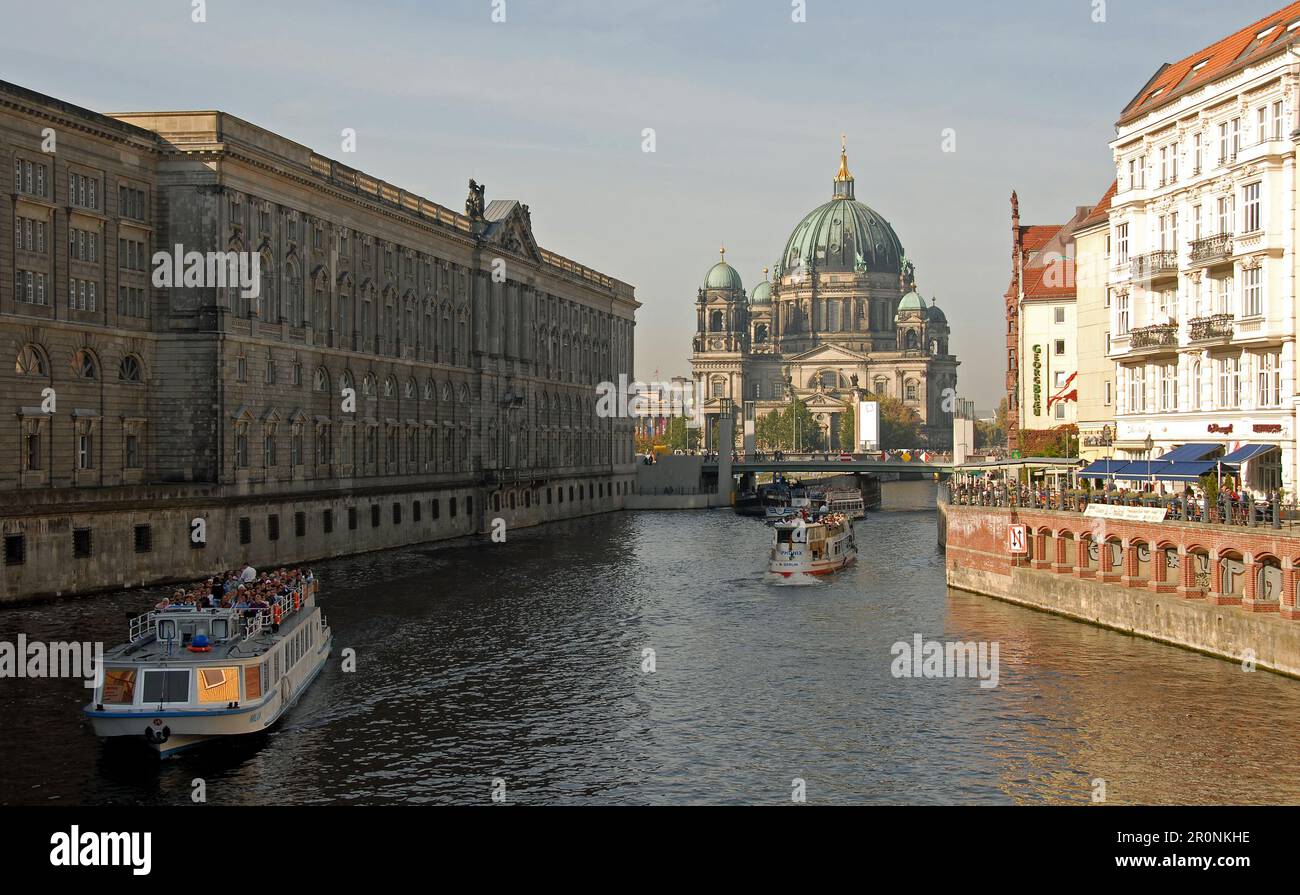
{"type": "Point", "coordinates": [848, 430]}
{"type": "Point", "coordinates": [793, 428]}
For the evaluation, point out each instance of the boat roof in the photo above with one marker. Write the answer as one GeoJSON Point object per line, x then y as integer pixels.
{"type": "Point", "coordinates": [152, 651]}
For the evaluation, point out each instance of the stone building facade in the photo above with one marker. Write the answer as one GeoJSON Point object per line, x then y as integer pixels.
{"type": "Point", "coordinates": [839, 318]}
{"type": "Point", "coordinates": [469, 353]}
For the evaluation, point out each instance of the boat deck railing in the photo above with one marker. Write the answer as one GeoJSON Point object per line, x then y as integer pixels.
{"type": "Point", "coordinates": [247, 622]}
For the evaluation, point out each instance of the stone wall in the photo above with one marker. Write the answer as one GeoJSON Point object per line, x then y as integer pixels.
{"type": "Point", "coordinates": [263, 532]}
{"type": "Point", "coordinates": [1223, 590]}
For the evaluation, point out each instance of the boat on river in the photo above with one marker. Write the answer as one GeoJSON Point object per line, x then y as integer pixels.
{"type": "Point", "coordinates": [817, 545]}
{"type": "Point", "coordinates": [188, 675]}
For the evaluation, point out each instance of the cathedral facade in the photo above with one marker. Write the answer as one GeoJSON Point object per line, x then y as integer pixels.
{"type": "Point", "coordinates": [838, 319]}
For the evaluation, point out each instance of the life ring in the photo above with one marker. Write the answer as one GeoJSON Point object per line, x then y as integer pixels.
{"type": "Point", "coordinates": [275, 614]}
{"type": "Point", "coordinates": [199, 649]}
{"type": "Point", "coordinates": [158, 738]}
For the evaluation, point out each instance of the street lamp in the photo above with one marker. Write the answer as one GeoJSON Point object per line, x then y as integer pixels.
{"type": "Point", "coordinates": [1150, 446]}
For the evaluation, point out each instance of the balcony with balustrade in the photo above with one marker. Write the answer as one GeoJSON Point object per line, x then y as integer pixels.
{"type": "Point", "coordinates": [1211, 250]}
{"type": "Point", "coordinates": [1214, 328]}
{"type": "Point", "coordinates": [1150, 340]}
{"type": "Point", "coordinates": [1154, 265]}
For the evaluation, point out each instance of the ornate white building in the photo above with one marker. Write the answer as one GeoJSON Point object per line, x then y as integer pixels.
{"type": "Point", "coordinates": [1202, 230]}
{"type": "Point", "coordinates": [840, 315]}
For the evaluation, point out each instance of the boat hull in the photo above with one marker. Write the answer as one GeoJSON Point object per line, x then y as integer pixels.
{"type": "Point", "coordinates": [787, 569]}
{"type": "Point", "coordinates": [169, 732]}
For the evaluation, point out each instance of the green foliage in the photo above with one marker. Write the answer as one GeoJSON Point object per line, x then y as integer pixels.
{"type": "Point", "coordinates": [792, 428]}
{"type": "Point", "coordinates": [848, 430]}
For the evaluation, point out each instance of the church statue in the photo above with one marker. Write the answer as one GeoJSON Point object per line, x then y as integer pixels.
{"type": "Point", "coordinates": [474, 203]}
{"type": "Point", "coordinates": [853, 380]}
{"type": "Point", "coordinates": [907, 280]}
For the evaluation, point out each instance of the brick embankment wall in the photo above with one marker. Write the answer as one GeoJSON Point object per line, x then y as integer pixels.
{"type": "Point", "coordinates": [1226, 591]}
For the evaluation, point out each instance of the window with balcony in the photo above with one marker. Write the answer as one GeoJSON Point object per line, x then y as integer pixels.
{"type": "Point", "coordinates": [1121, 316]}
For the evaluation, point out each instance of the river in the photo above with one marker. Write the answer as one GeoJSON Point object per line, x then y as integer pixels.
{"type": "Point", "coordinates": [525, 663]}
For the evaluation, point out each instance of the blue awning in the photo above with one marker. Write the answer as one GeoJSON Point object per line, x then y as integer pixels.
{"type": "Point", "coordinates": [1249, 452]}
{"type": "Point", "coordinates": [1190, 452]}
{"type": "Point", "coordinates": [1102, 468]}
{"type": "Point", "coordinates": [1161, 470]}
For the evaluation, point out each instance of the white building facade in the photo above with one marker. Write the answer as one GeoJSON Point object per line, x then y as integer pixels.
{"type": "Point", "coordinates": [1202, 277]}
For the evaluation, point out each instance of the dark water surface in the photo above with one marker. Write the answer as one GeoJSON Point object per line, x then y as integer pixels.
{"type": "Point", "coordinates": [522, 661]}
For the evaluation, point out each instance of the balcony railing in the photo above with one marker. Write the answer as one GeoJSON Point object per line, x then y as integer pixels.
{"type": "Point", "coordinates": [1144, 267]}
{"type": "Point", "coordinates": [1212, 248]}
{"type": "Point", "coordinates": [1163, 335]}
{"type": "Point", "coordinates": [1216, 326]}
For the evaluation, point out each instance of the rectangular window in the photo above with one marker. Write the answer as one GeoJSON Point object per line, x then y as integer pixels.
{"type": "Point", "coordinates": [1253, 292]}
{"type": "Point", "coordinates": [1261, 125]}
{"type": "Point", "coordinates": [1121, 315]}
{"type": "Point", "coordinates": [1108, 393]}
{"type": "Point", "coordinates": [327, 521]}
{"type": "Point", "coordinates": [143, 538]}
{"type": "Point", "coordinates": [299, 524]}
{"type": "Point", "coordinates": [1058, 315]}
{"type": "Point", "coordinates": [1251, 218]}
{"type": "Point", "coordinates": [1060, 347]}
{"type": "Point", "coordinates": [436, 507]}
{"type": "Point", "coordinates": [1121, 243]}
{"type": "Point", "coordinates": [85, 451]}
{"type": "Point", "coordinates": [273, 527]}
{"type": "Point", "coordinates": [245, 530]}
{"type": "Point", "coordinates": [165, 686]}
{"type": "Point", "coordinates": [352, 518]}
{"type": "Point", "coordinates": [81, 543]}
{"type": "Point", "coordinates": [374, 515]}
{"type": "Point", "coordinates": [397, 514]}
{"type": "Point", "coordinates": [15, 550]}
{"type": "Point", "coordinates": [1229, 383]}
{"type": "Point", "coordinates": [1279, 128]}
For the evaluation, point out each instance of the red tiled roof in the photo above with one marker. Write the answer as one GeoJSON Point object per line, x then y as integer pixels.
{"type": "Point", "coordinates": [1101, 211]}
{"type": "Point", "coordinates": [1050, 280]}
{"type": "Point", "coordinates": [1238, 48]}
{"type": "Point", "coordinates": [1034, 237]}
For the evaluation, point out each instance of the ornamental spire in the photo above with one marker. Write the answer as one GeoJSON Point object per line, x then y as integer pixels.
{"type": "Point", "coordinates": [843, 187]}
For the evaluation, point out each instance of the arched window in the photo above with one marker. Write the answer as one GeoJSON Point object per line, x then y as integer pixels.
{"type": "Point", "coordinates": [390, 387]}
{"type": "Point", "coordinates": [829, 379]}
{"type": "Point", "coordinates": [84, 366]}
{"type": "Point", "coordinates": [760, 333]}
{"type": "Point", "coordinates": [715, 322]}
{"type": "Point", "coordinates": [30, 362]}
{"type": "Point", "coordinates": [410, 388]}
{"type": "Point", "coordinates": [129, 369]}
{"type": "Point", "coordinates": [428, 390]}
{"type": "Point", "coordinates": [345, 381]}
{"type": "Point", "coordinates": [368, 385]}
{"type": "Point", "coordinates": [322, 379]}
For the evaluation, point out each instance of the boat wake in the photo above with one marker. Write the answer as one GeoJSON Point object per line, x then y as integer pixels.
{"type": "Point", "coordinates": [796, 579]}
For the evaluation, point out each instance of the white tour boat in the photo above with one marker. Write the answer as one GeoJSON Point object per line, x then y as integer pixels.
{"type": "Point", "coordinates": [850, 503]}
{"type": "Point", "coordinates": [189, 675]}
{"type": "Point", "coordinates": [819, 545]}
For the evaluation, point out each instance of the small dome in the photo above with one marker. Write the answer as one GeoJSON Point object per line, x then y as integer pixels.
{"type": "Point", "coordinates": [936, 315]}
{"type": "Point", "coordinates": [912, 301]}
{"type": "Point", "coordinates": [762, 294]}
{"type": "Point", "coordinates": [723, 276]}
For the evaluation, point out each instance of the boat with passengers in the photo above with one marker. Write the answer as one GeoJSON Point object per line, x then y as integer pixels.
{"type": "Point", "coordinates": [190, 673]}
{"type": "Point", "coordinates": [812, 544]}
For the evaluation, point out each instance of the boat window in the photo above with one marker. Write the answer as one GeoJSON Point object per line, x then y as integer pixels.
{"type": "Point", "coordinates": [783, 535]}
{"type": "Point", "coordinates": [218, 684]}
{"type": "Point", "coordinates": [119, 686]}
{"type": "Point", "coordinates": [167, 629]}
{"type": "Point", "coordinates": [253, 681]}
{"type": "Point", "coordinates": [166, 686]}
{"type": "Point", "coordinates": [220, 628]}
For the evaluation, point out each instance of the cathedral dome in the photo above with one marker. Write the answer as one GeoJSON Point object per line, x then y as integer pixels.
{"type": "Point", "coordinates": [844, 235]}
{"type": "Point", "coordinates": [723, 276]}
{"type": "Point", "coordinates": [762, 294]}
{"type": "Point", "coordinates": [936, 315]}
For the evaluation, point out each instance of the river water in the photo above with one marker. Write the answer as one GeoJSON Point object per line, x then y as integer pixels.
{"type": "Point", "coordinates": [525, 663]}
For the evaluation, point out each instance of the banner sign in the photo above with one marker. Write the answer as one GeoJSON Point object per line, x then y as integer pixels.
{"type": "Point", "coordinates": [1128, 514]}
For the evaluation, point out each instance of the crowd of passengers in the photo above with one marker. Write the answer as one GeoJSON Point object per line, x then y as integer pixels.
{"type": "Point", "coordinates": [241, 588]}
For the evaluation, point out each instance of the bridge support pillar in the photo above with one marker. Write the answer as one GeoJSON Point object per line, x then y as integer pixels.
{"type": "Point", "coordinates": [726, 444]}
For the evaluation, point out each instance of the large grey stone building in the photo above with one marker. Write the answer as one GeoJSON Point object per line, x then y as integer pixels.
{"type": "Point", "coordinates": [135, 409]}
{"type": "Point", "coordinates": [840, 317]}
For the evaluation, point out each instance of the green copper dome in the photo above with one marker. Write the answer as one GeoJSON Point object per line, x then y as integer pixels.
{"type": "Point", "coordinates": [936, 315]}
{"type": "Point", "coordinates": [844, 235]}
{"type": "Point", "coordinates": [762, 294]}
{"type": "Point", "coordinates": [723, 276]}
{"type": "Point", "coordinates": [912, 301]}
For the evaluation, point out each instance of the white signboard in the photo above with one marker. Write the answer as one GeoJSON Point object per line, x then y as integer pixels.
{"type": "Point", "coordinates": [868, 424]}
{"type": "Point", "coordinates": [1017, 540]}
{"type": "Point", "coordinates": [1128, 514]}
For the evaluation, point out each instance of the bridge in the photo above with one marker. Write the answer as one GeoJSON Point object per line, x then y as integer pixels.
{"type": "Point", "coordinates": [834, 465]}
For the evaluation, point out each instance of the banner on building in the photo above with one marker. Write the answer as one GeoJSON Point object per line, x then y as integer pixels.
{"type": "Point", "coordinates": [868, 425]}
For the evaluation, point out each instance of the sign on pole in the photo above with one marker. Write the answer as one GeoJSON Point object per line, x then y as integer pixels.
{"type": "Point", "coordinates": [1017, 540]}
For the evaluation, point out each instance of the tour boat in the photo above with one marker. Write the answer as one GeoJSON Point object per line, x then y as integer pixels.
{"type": "Point", "coordinates": [850, 503]}
{"type": "Point", "coordinates": [819, 545]}
{"type": "Point", "coordinates": [189, 675]}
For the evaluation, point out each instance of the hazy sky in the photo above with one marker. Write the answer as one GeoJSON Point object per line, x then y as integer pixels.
{"type": "Point", "coordinates": [549, 106]}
